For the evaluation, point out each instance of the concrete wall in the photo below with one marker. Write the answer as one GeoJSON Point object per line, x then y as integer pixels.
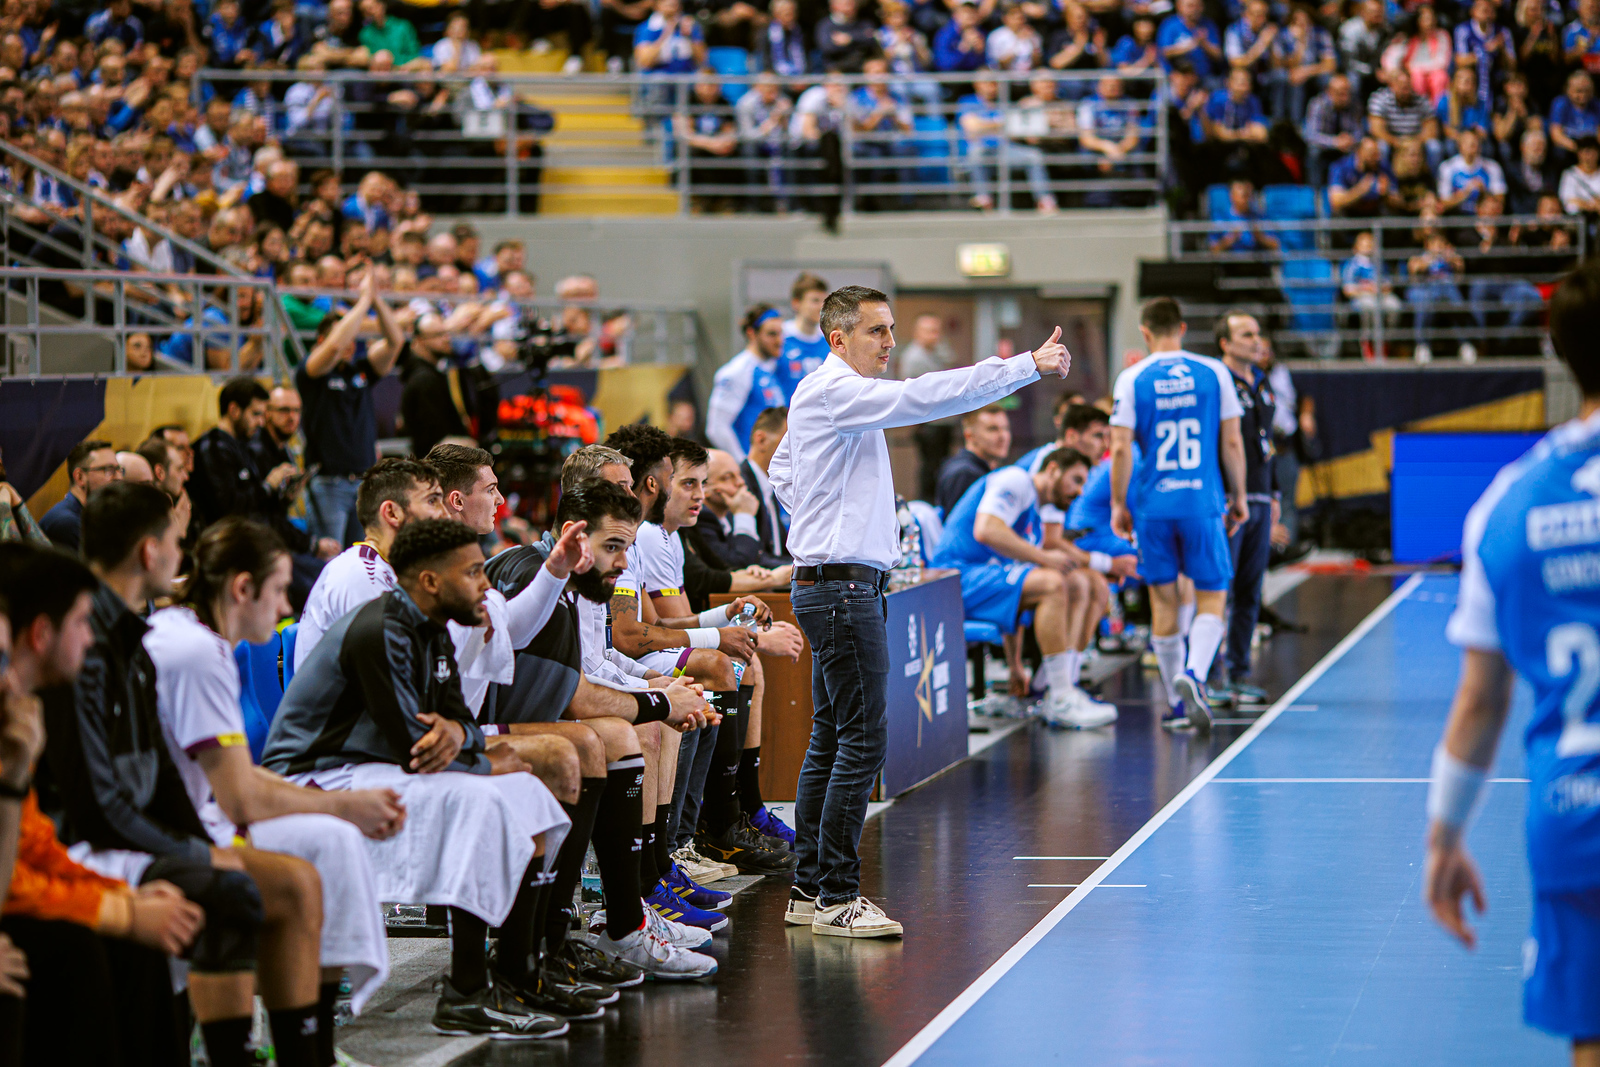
{"type": "Point", "coordinates": [694, 259]}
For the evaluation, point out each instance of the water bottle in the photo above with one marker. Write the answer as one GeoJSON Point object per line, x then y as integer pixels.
{"type": "Point", "coordinates": [589, 886]}
{"type": "Point", "coordinates": [747, 620]}
{"type": "Point", "coordinates": [910, 542]}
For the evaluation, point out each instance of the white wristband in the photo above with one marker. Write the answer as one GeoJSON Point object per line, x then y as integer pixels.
{"type": "Point", "coordinates": [1100, 562]}
{"type": "Point", "coordinates": [704, 637]}
{"type": "Point", "coordinates": [1454, 792]}
{"type": "Point", "coordinates": [490, 729]}
{"type": "Point", "coordinates": [714, 617]}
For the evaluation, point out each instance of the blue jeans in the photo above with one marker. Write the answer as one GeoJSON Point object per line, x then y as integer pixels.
{"type": "Point", "coordinates": [1521, 298]}
{"type": "Point", "coordinates": [330, 498]}
{"type": "Point", "coordinates": [844, 622]}
{"type": "Point", "coordinates": [985, 162]}
{"type": "Point", "coordinates": [1250, 546]}
{"type": "Point", "coordinates": [1423, 297]}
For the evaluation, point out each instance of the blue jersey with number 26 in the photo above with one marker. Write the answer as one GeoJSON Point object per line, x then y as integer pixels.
{"type": "Point", "coordinates": [1530, 588]}
{"type": "Point", "coordinates": [1174, 402]}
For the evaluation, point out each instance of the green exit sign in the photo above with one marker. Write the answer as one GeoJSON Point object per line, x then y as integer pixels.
{"type": "Point", "coordinates": [985, 261]}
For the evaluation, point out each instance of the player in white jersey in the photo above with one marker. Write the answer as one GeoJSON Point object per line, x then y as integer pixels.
{"type": "Point", "coordinates": [1529, 605]}
{"type": "Point", "coordinates": [239, 589]}
{"type": "Point", "coordinates": [392, 493]}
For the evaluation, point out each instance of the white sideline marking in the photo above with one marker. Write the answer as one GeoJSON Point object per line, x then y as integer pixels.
{"type": "Point", "coordinates": [1356, 781]}
{"type": "Point", "coordinates": [1060, 857]}
{"type": "Point", "coordinates": [1074, 885]}
{"type": "Point", "coordinates": [947, 1018]}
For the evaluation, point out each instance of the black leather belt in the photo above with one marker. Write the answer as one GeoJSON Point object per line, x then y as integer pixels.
{"type": "Point", "coordinates": [842, 572]}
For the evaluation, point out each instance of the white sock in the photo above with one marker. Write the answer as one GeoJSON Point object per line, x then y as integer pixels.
{"type": "Point", "coordinates": [1205, 634]}
{"type": "Point", "coordinates": [1058, 671]}
{"type": "Point", "coordinates": [1169, 661]}
{"type": "Point", "coordinates": [1185, 618]}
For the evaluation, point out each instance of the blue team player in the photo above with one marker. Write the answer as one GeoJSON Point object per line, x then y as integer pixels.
{"type": "Point", "coordinates": [1181, 411]}
{"type": "Point", "coordinates": [993, 537]}
{"type": "Point", "coordinates": [747, 384]}
{"type": "Point", "coordinates": [1084, 428]}
{"type": "Point", "coordinates": [804, 347]}
{"type": "Point", "coordinates": [1530, 603]}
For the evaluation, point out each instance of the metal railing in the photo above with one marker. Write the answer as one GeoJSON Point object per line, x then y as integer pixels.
{"type": "Point", "coordinates": [633, 134]}
{"type": "Point", "coordinates": [1298, 289]}
{"type": "Point", "coordinates": [29, 226]}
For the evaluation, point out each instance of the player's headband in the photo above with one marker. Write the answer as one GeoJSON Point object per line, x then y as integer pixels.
{"type": "Point", "coordinates": [764, 316]}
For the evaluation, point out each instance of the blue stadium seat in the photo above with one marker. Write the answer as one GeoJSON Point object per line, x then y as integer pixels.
{"type": "Point", "coordinates": [730, 60]}
{"type": "Point", "coordinates": [1313, 269]}
{"type": "Point", "coordinates": [1216, 200]}
{"type": "Point", "coordinates": [288, 634]}
{"type": "Point", "coordinates": [259, 689]}
{"type": "Point", "coordinates": [1286, 203]}
{"type": "Point", "coordinates": [933, 143]}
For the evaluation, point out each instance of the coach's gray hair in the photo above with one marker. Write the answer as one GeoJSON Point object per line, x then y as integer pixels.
{"type": "Point", "coordinates": [587, 462]}
{"type": "Point", "coordinates": [842, 310]}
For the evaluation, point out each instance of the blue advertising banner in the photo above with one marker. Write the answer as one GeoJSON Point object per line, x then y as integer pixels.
{"type": "Point", "coordinates": [927, 682]}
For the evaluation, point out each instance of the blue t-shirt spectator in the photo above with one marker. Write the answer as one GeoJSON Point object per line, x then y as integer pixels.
{"type": "Point", "coordinates": [1246, 239]}
{"type": "Point", "coordinates": [1475, 117]}
{"type": "Point", "coordinates": [1579, 41]}
{"type": "Point", "coordinates": [1109, 119]}
{"type": "Point", "coordinates": [227, 40]}
{"type": "Point", "coordinates": [1175, 31]}
{"type": "Point", "coordinates": [103, 25]}
{"type": "Point", "coordinates": [1127, 50]}
{"type": "Point", "coordinates": [180, 346]}
{"type": "Point", "coordinates": [973, 104]}
{"type": "Point", "coordinates": [1574, 121]}
{"type": "Point", "coordinates": [1359, 270]}
{"type": "Point", "coordinates": [1232, 114]}
{"type": "Point", "coordinates": [950, 54]}
{"type": "Point", "coordinates": [1346, 174]}
{"type": "Point", "coordinates": [675, 57]}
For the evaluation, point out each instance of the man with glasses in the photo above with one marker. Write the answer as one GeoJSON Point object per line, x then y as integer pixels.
{"type": "Point", "coordinates": [279, 442]}
{"type": "Point", "coordinates": [91, 465]}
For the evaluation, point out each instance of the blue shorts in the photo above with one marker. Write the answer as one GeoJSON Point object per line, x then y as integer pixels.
{"type": "Point", "coordinates": [1196, 547]}
{"type": "Point", "coordinates": [1561, 965]}
{"type": "Point", "coordinates": [992, 592]}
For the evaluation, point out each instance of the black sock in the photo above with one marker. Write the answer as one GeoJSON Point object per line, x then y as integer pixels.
{"type": "Point", "coordinates": [617, 830]}
{"type": "Point", "coordinates": [228, 1042]}
{"type": "Point", "coordinates": [649, 872]}
{"type": "Point", "coordinates": [327, 1002]}
{"type": "Point", "coordinates": [516, 955]}
{"type": "Point", "coordinates": [720, 807]}
{"type": "Point", "coordinates": [750, 780]}
{"type": "Point", "coordinates": [469, 954]}
{"type": "Point", "coordinates": [294, 1036]}
{"type": "Point", "coordinates": [663, 842]}
{"type": "Point", "coordinates": [569, 861]}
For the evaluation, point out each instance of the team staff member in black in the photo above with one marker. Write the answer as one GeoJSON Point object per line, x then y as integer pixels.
{"type": "Point", "coordinates": [109, 782]}
{"type": "Point", "coordinates": [341, 425]}
{"type": "Point", "coordinates": [832, 473]}
{"type": "Point", "coordinates": [1239, 337]}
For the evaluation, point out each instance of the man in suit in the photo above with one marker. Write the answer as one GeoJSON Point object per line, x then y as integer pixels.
{"type": "Point", "coordinates": [727, 524]}
{"type": "Point", "coordinates": [772, 524]}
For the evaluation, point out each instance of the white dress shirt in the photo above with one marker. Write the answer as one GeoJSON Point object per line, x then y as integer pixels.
{"type": "Point", "coordinates": [832, 468]}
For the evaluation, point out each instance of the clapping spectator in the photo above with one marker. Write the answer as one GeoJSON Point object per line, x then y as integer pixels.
{"type": "Point", "coordinates": [880, 121]}
{"type": "Point", "coordinates": [227, 35]}
{"type": "Point", "coordinates": [1240, 218]}
{"type": "Point", "coordinates": [115, 22]}
{"type": "Point", "coordinates": [1306, 55]}
{"type": "Point", "coordinates": [1434, 270]}
{"type": "Point", "coordinates": [1573, 116]}
{"type": "Point", "coordinates": [1189, 35]}
{"type": "Point", "coordinates": [1334, 123]}
{"type": "Point", "coordinates": [1484, 45]}
{"type": "Point", "coordinates": [280, 42]}
{"type": "Point", "coordinates": [1467, 176]}
{"type": "Point", "coordinates": [711, 136]}
{"type": "Point", "coordinates": [669, 42]}
{"type": "Point", "coordinates": [1112, 127]}
{"type": "Point", "coordinates": [1361, 280]}
{"type": "Point", "coordinates": [1081, 45]}
{"type": "Point", "coordinates": [1513, 116]}
{"type": "Point", "coordinates": [1423, 53]}
{"type": "Point", "coordinates": [1014, 45]}
{"type": "Point", "coordinates": [908, 54]}
{"type": "Point", "coordinates": [1537, 35]}
{"type": "Point", "coordinates": [1135, 53]}
{"type": "Point", "coordinates": [1236, 126]}
{"type": "Point", "coordinates": [1580, 184]}
{"type": "Point", "coordinates": [844, 39]}
{"type": "Point", "coordinates": [960, 45]}
{"type": "Point", "coordinates": [1250, 44]}
{"type": "Point", "coordinates": [1361, 184]}
{"type": "Point", "coordinates": [1580, 39]}
{"type": "Point", "coordinates": [1460, 109]}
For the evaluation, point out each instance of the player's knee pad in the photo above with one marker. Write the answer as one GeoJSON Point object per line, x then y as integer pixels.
{"type": "Point", "coordinates": [234, 913]}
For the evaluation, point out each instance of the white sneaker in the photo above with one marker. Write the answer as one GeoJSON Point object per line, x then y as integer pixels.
{"type": "Point", "coordinates": [1468, 352]}
{"type": "Point", "coordinates": [677, 934]}
{"type": "Point", "coordinates": [1422, 354]}
{"type": "Point", "coordinates": [801, 910]}
{"type": "Point", "coordinates": [691, 861]}
{"type": "Point", "coordinates": [857, 918]}
{"type": "Point", "coordinates": [658, 959]}
{"type": "Point", "coordinates": [573, 65]}
{"type": "Point", "coordinates": [1075, 710]}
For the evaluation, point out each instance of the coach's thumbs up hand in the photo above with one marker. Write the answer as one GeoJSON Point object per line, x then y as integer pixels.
{"type": "Point", "coordinates": [1052, 357]}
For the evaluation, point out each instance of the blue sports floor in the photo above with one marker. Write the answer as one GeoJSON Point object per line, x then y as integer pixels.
{"type": "Point", "coordinates": [1271, 913]}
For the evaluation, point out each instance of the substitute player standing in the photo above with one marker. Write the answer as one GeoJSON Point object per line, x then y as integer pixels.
{"type": "Point", "coordinates": [1180, 409]}
{"type": "Point", "coordinates": [832, 472]}
{"type": "Point", "coordinates": [1530, 604]}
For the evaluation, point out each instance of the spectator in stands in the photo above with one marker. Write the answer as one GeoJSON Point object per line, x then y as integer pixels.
{"type": "Point", "coordinates": [1518, 297]}
{"type": "Point", "coordinates": [1574, 115]}
{"type": "Point", "coordinates": [1486, 47]}
{"type": "Point", "coordinates": [1308, 59]}
{"type": "Point", "coordinates": [712, 135]}
{"type": "Point", "coordinates": [1362, 281]}
{"type": "Point", "coordinates": [1056, 133]}
{"type": "Point", "coordinates": [336, 42]}
{"type": "Point", "coordinates": [1580, 38]}
{"type": "Point", "coordinates": [1414, 183]}
{"type": "Point", "coordinates": [880, 121]}
{"type": "Point", "coordinates": [1514, 115]}
{"type": "Point", "coordinates": [138, 354]}
{"type": "Point", "coordinates": [135, 468]}
{"type": "Point", "coordinates": [1189, 35]}
{"type": "Point", "coordinates": [1112, 128]}
{"type": "Point", "coordinates": [763, 116]}
{"type": "Point", "coordinates": [1235, 117]}
{"type": "Point", "coordinates": [1014, 45]}
{"type": "Point", "coordinates": [1434, 271]}
{"type": "Point", "coordinates": [1134, 53]}
{"type": "Point", "coordinates": [1334, 123]}
{"type": "Point", "coordinates": [783, 43]}
{"type": "Point", "coordinates": [116, 22]}
{"type": "Point", "coordinates": [1422, 52]}
{"type": "Point", "coordinates": [1250, 44]}
{"type": "Point", "coordinates": [960, 45]}
{"type": "Point", "coordinates": [1361, 185]}
{"type": "Point", "coordinates": [986, 440]}
{"type": "Point", "coordinates": [1081, 45]}
{"type": "Point", "coordinates": [1580, 184]}
{"type": "Point", "coordinates": [91, 465]}
{"type": "Point", "coordinates": [1532, 176]}
{"type": "Point", "coordinates": [538, 21]}
{"type": "Point", "coordinates": [1241, 231]}
{"type": "Point", "coordinates": [228, 36]}
{"type": "Point", "coordinates": [844, 39]}
{"type": "Point", "coordinates": [1361, 39]}
{"type": "Point", "coordinates": [669, 41]}
{"type": "Point", "coordinates": [1395, 113]}
{"type": "Point", "coordinates": [275, 203]}
{"type": "Point", "coordinates": [382, 32]}
{"type": "Point", "coordinates": [983, 124]}
{"type": "Point", "coordinates": [1467, 176]}
{"type": "Point", "coordinates": [1459, 109]}
{"type": "Point", "coordinates": [456, 51]}
{"type": "Point", "coordinates": [280, 42]}
{"type": "Point", "coordinates": [427, 410]}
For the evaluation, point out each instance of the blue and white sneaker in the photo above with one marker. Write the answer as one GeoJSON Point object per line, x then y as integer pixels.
{"type": "Point", "coordinates": [770, 825]}
{"type": "Point", "coordinates": [667, 904]}
{"type": "Point", "coordinates": [689, 890]}
{"type": "Point", "coordinates": [1176, 717]}
{"type": "Point", "coordinates": [1195, 698]}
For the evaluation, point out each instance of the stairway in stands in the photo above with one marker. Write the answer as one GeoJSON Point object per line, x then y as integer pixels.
{"type": "Point", "coordinates": [599, 153]}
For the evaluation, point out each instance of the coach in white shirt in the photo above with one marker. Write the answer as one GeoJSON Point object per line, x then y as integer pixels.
{"type": "Point", "coordinates": [832, 473]}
